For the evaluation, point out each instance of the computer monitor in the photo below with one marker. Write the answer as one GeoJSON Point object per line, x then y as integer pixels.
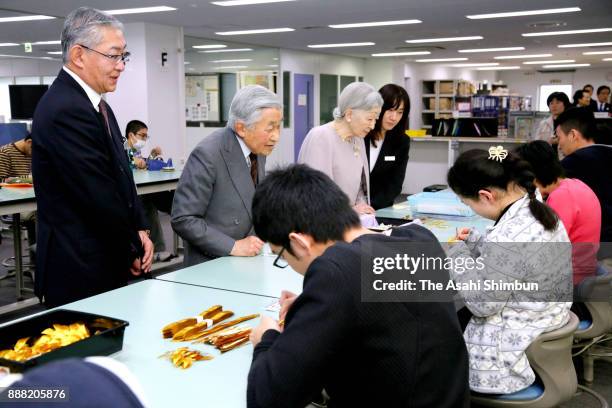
{"type": "Point", "coordinates": [24, 99]}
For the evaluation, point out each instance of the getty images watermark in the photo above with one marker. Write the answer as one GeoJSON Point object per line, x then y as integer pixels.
{"type": "Point", "coordinates": [495, 272]}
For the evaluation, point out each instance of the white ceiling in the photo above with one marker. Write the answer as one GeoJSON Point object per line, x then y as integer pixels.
{"type": "Point", "coordinates": [441, 18]}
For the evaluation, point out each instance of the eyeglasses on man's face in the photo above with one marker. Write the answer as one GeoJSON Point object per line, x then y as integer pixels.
{"type": "Point", "coordinates": [280, 262]}
{"type": "Point", "coordinates": [116, 58]}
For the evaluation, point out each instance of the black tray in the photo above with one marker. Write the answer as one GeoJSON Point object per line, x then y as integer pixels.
{"type": "Point", "coordinates": [108, 341]}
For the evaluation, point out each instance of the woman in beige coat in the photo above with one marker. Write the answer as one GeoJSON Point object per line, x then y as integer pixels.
{"type": "Point", "coordinates": [338, 149]}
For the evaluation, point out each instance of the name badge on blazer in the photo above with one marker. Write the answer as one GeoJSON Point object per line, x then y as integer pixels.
{"type": "Point", "coordinates": [389, 158]}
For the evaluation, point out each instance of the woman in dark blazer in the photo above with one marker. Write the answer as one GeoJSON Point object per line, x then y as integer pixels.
{"type": "Point", "coordinates": [387, 147]}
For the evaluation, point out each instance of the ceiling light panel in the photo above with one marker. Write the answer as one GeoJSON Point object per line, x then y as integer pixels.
{"type": "Point", "coordinates": [543, 34]}
{"type": "Point", "coordinates": [445, 39]}
{"type": "Point", "coordinates": [494, 49]}
{"type": "Point", "coordinates": [375, 24]}
{"type": "Point", "coordinates": [259, 31]}
{"type": "Point", "coordinates": [524, 13]}
{"type": "Point", "coordinates": [504, 57]}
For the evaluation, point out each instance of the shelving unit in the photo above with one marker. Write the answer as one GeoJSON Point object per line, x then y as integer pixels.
{"type": "Point", "coordinates": [439, 98]}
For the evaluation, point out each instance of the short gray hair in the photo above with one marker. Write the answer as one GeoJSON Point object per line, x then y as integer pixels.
{"type": "Point", "coordinates": [82, 26]}
{"type": "Point", "coordinates": [357, 95]}
{"type": "Point", "coordinates": [248, 104]}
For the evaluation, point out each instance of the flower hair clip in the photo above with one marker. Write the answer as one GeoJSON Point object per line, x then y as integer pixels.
{"type": "Point", "coordinates": [497, 153]}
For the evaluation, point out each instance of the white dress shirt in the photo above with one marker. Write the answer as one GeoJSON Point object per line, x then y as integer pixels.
{"type": "Point", "coordinates": [93, 96]}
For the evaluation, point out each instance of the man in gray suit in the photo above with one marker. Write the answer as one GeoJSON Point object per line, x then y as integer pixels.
{"type": "Point", "coordinates": [212, 203]}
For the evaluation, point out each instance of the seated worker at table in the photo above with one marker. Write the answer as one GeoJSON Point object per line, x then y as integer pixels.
{"type": "Point", "coordinates": [527, 243]}
{"type": "Point", "coordinates": [374, 354]}
{"type": "Point", "coordinates": [212, 203]}
{"type": "Point", "coordinates": [136, 139]}
{"type": "Point", "coordinates": [589, 162]}
{"type": "Point", "coordinates": [16, 161]}
{"type": "Point", "coordinates": [574, 202]}
{"type": "Point", "coordinates": [137, 135]}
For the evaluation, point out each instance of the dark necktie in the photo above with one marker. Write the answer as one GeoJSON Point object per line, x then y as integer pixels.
{"type": "Point", "coordinates": [253, 158]}
{"type": "Point", "coordinates": [118, 145]}
{"type": "Point", "coordinates": [104, 111]}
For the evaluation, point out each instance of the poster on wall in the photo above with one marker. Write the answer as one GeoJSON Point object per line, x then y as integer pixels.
{"type": "Point", "coordinates": [263, 78]}
{"type": "Point", "coordinates": [202, 98]}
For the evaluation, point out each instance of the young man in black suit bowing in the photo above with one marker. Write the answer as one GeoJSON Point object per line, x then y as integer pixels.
{"type": "Point", "coordinates": [91, 227]}
{"type": "Point", "coordinates": [362, 352]}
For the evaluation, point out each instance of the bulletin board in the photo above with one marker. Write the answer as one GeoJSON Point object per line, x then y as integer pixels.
{"type": "Point", "coordinates": [202, 101]}
{"type": "Point", "coordinates": [263, 78]}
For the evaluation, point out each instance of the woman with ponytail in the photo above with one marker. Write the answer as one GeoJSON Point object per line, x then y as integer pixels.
{"type": "Point", "coordinates": [526, 252]}
{"type": "Point", "coordinates": [338, 149]}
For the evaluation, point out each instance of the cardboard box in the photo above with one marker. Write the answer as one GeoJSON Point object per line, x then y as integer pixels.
{"type": "Point", "coordinates": [445, 104]}
{"type": "Point", "coordinates": [446, 88]}
{"type": "Point", "coordinates": [432, 103]}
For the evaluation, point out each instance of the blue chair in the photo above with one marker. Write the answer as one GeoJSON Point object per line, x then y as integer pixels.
{"type": "Point", "coordinates": [594, 331]}
{"type": "Point", "coordinates": [550, 358]}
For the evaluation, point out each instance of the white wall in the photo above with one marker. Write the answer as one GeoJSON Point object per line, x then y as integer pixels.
{"type": "Point", "coordinates": [130, 100]}
{"type": "Point", "coordinates": [528, 82]}
{"type": "Point", "coordinates": [152, 93]}
{"type": "Point", "coordinates": [298, 62]}
{"type": "Point", "coordinates": [29, 67]}
{"type": "Point", "coordinates": [379, 72]}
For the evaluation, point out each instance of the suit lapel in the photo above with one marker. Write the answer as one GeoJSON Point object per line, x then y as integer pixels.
{"type": "Point", "coordinates": [239, 171]}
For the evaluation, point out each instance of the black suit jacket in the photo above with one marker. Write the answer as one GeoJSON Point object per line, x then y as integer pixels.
{"type": "Point", "coordinates": [364, 354]}
{"type": "Point", "coordinates": [88, 211]}
{"type": "Point", "coordinates": [387, 176]}
{"type": "Point", "coordinates": [593, 166]}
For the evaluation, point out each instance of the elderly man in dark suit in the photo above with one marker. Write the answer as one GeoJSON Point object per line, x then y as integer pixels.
{"type": "Point", "coordinates": [212, 203]}
{"type": "Point", "coordinates": [92, 230]}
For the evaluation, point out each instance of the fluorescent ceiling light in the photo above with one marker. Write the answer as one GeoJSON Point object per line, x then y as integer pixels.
{"type": "Point", "coordinates": [8, 44]}
{"type": "Point", "coordinates": [607, 59]}
{"type": "Point", "coordinates": [54, 52]}
{"type": "Point", "coordinates": [401, 54]}
{"type": "Point", "coordinates": [54, 42]}
{"type": "Point", "coordinates": [476, 64]}
{"type": "Point", "coordinates": [566, 65]}
{"type": "Point", "coordinates": [233, 67]}
{"type": "Point", "coordinates": [272, 66]}
{"type": "Point", "coordinates": [593, 30]}
{"type": "Point", "coordinates": [23, 56]}
{"type": "Point", "coordinates": [494, 49]}
{"type": "Point", "coordinates": [524, 13]}
{"type": "Point", "coordinates": [597, 53]}
{"type": "Point", "coordinates": [260, 31]}
{"type": "Point", "coordinates": [601, 44]}
{"type": "Point", "coordinates": [25, 18]}
{"type": "Point", "coordinates": [209, 46]}
{"type": "Point", "coordinates": [549, 62]}
{"type": "Point", "coordinates": [376, 24]}
{"type": "Point", "coordinates": [503, 57]}
{"type": "Point", "coordinates": [361, 44]}
{"type": "Point", "coordinates": [138, 10]}
{"type": "Point", "coordinates": [498, 68]}
{"type": "Point", "coordinates": [231, 60]}
{"type": "Point", "coordinates": [441, 59]}
{"type": "Point", "coordinates": [245, 2]}
{"type": "Point", "coordinates": [186, 62]}
{"type": "Point", "coordinates": [447, 39]}
{"type": "Point", "coordinates": [227, 50]}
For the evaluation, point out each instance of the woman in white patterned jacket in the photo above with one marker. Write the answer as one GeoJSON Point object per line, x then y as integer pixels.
{"type": "Point", "coordinates": [527, 246]}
